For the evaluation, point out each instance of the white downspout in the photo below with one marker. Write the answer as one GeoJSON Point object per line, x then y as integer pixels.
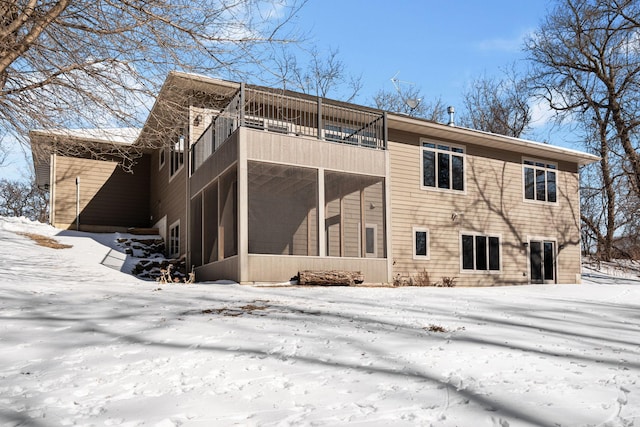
{"type": "Point", "coordinates": [77, 203]}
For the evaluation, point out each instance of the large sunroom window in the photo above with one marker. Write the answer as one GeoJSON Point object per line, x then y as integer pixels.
{"type": "Point", "coordinates": [283, 209]}
{"type": "Point", "coordinates": [214, 220]}
{"type": "Point", "coordinates": [354, 207]}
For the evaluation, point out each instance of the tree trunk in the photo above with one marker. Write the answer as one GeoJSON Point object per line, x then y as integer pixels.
{"type": "Point", "coordinates": [330, 278]}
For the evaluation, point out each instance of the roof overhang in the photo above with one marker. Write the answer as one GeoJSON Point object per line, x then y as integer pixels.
{"type": "Point", "coordinates": [491, 140]}
{"type": "Point", "coordinates": [178, 92]}
{"type": "Point", "coordinates": [44, 143]}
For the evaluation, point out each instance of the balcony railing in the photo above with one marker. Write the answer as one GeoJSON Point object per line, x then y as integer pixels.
{"type": "Point", "coordinates": [274, 111]}
{"type": "Point", "coordinates": [221, 128]}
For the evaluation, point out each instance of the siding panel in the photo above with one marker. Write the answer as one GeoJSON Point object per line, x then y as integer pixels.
{"type": "Point", "coordinates": [492, 204]}
{"type": "Point", "coordinates": [109, 196]}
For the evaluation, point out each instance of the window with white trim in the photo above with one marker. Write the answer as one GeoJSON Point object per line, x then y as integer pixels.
{"type": "Point", "coordinates": [177, 156]}
{"type": "Point", "coordinates": [174, 239]}
{"type": "Point", "coordinates": [161, 157]}
{"type": "Point", "coordinates": [370, 239]}
{"type": "Point", "coordinates": [442, 166]}
{"type": "Point", "coordinates": [480, 252]}
{"type": "Point", "coordinates": [539, 180]}
{"type": "Point", "coordinates": [421, 243]}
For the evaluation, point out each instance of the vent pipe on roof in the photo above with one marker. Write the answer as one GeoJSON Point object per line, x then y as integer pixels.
{"type": "Point", "coordinates": [452, 113]}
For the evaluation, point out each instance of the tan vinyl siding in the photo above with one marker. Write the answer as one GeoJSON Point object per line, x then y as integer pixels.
{"type": "Point", "coordinates": [215, 165]}
{"type": "Point", "coordinates": [200, 119]}
{"type": "Point", "coordinates": [109, 196]}
{"type": "Point", "coordinates": [168, 196]}
{"type": "Point", "coordinates": [492, 204]}
{"type": "Point", "coordinates": [311, 152]}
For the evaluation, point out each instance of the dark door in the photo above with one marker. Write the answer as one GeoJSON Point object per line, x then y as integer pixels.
{"type": "Point", "coordinates": [542, 261]}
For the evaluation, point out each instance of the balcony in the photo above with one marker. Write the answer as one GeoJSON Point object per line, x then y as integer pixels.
{"type": "Point", "coordinates": [300, 115]}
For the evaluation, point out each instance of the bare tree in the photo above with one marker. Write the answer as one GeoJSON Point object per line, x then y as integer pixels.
{"type": "Point", "coordinates": [497, 105]}
{"type": "Point", "coordinates": [99, 63]}
{"type": "Point", "coordinates": [409, 100]}
{"type": "Point", "coordinates": [4, 149]}
{"type": "Point", "coordinates": [324, 74]}
{"type": "Point", "coordinates": [586, 64]}
{"type": "Point", "coordinates": [627, 243]}
{"type": "Point", "coordinates": [20, 198]}
{"type": "Point", "coordinates": [600, 187]}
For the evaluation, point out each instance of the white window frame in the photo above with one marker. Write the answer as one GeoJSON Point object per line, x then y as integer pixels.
{"type": "Point", "coordinates": [474, 234]}
{"type": "Point", "coordinates": [175, 151]}
{"type": "Point", "coordinates": [542, 165]}
{"type": "Point", "coordinates": [173, 242]}
{"type": "Point", "coordinates": [416, 230]}
{"type": "Point", "coordinates": [556, 253]}
{"type": "Point", "coordinates": [437, 150]}
{"type": "Point", "coordinates": [374, 227]}
{"type": "Point", "coordinates": [373, 254]}
{"type": "Point", "coordinates": [162, 155]}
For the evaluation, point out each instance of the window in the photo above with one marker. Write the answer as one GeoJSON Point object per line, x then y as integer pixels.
{"type": "Point", "coordinates": [539, 181]}
{"type": "Point", "coordinates": [442, 166]}
{"type": "Point", "coordinates": [339, 133]}
{"type": "Point", "coordinates": [370, 239]}
{"type": "Point", "coordinates": [177, 156]}
{"type": "Point", "coordinates": [161, 158]}
{"type": "Point", "coordinates": [480, 252]}
{"type": "Point", "coordinates": [369, 139]}
{"type": "Point", "coordinates": [420, 243]}
{"type": "Point", "coordinates": [174, 239]}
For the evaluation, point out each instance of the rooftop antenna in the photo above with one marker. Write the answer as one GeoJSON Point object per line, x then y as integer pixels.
{"type": "Point", "coordinates": [412, 103]}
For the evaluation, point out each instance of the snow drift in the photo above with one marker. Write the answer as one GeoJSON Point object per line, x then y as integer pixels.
{"type": "Point", "coordinates": [84, 344]}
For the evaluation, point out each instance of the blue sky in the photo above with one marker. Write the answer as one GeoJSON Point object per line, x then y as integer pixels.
{"type": "Point", "coordinates": [440, 46]}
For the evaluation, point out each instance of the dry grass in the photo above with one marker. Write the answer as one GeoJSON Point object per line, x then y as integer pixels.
{"type": "Point", "coordinates": [442, 329]}
{"type": "Point", "coordinates": [245, 309]}
{"type": "Point", "coordinates": [422, 278]}
{"type": "Point", "coordinates": [45, 241]}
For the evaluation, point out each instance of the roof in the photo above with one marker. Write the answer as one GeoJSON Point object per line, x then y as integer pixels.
{"type": "Point", "coordinates": [178, 88]}
{"type": "Point", "coordinates": [488, 139]}
{"type": "Point", "coordinates": [126, 136]}
{"type": "Point", "coordinates": [41, 159]}
{"type": "Point", "coordinates": [189, 85]}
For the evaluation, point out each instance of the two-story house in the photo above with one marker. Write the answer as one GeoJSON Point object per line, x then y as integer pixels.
{"type": "Point", "coordinates": [254, 184]}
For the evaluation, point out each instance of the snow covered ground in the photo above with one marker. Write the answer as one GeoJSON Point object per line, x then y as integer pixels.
{"type": "Point", "coordinates": [84, 344]}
